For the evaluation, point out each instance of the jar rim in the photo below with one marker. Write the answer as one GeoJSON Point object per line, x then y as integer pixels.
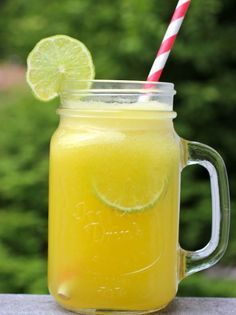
{"type": "Point", "coordinates": [106, 95]}
{"type": "Point", "coordinates": [114, 87]}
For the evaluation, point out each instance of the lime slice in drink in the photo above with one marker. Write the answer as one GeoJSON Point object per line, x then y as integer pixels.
{"type": "Point", "coordinates": [55, 60]}
{"type": "Point", "coordinates": [130, 194]}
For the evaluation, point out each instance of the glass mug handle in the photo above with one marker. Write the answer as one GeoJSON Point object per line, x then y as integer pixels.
{"type": "Point", "coordinates": [206, 257]}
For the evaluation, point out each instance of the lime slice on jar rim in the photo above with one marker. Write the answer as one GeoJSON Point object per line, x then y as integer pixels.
{"type": "Point", "coordinates": [56, 60]}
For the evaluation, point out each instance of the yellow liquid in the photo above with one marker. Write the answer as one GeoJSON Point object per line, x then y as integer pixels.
{"type": "Point", "coordinates": [102, 256]}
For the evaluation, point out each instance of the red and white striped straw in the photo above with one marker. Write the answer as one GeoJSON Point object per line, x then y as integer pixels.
{"type": "Point", "coordinates": [168, 41]}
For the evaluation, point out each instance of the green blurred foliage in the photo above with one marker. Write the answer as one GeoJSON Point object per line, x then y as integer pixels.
{"type": "Point", "coordinates": [26, 125]}
{"type": "Point", "coordinates": [199, 285]}
{"type": "Point", "coordinates": [123, 36]}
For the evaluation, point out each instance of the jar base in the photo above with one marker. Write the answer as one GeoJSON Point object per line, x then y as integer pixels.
{"type": "Point", "coordinates": [113, 312]}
